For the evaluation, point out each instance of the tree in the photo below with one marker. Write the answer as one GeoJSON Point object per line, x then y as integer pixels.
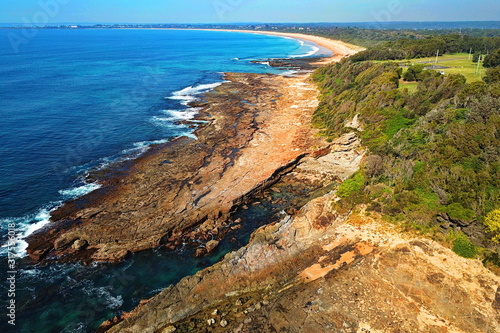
{"type": "Point", "coordinates": [492, 75]}
{"type": "Point", "coordinates": [413, 73]}
{"type": "Point", "coordinates": [492, 222]}
{"type": "Point", "coordinates": [475, 57]}
{"type": "Point", "coordinates": [492, 60]}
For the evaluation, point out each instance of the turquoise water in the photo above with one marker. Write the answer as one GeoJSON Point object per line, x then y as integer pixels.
{"type": "Point", "coordinates": [76, 100]}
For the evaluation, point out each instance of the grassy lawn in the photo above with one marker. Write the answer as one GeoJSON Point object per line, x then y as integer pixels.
{"type": "Point", "coordinates": [411, 86]}
{"type": "Point", "coordinates": [458, 63]}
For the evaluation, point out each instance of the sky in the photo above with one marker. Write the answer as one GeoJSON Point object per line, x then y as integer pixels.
{"type": "Point", "coordinates": [229, 11]}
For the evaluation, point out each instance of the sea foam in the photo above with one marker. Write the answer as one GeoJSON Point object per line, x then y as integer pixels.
{"type": "Point", "coordinates": [79, 191]}
{"type": "Point", "coordinates": [314, 50]}
{"type": "Point", "coordinates": [188, 94]}
{"type": "Point", "coordinates": [25, 226]}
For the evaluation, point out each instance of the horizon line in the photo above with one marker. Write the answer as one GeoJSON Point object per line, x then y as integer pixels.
{"type": "Point", "coordinates": [239, 23]}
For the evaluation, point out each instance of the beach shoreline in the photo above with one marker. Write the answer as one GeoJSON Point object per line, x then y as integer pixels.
{"type": "Point", "coordinates": [339, 48]}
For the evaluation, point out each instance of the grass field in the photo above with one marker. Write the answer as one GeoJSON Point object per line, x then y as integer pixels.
{"type": "Point", "coordinates": [458, 63]}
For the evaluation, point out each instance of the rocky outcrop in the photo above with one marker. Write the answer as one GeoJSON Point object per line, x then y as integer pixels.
{"type": "Point", "coordinates": [320, 271]}
{"type": "Point", "coordinates": [259, 127]}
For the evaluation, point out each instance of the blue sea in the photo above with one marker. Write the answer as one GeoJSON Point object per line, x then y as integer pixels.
{"type": "Point", "coordinates": [72, 101]}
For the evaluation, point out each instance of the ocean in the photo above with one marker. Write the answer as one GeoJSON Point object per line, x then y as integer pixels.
{"type": "Point", "coordinates": [73, 101]}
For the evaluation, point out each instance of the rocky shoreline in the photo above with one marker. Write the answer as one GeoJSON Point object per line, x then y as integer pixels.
{"type": "Point", "coordinates": [318, 270]}
{"type": "Point", "coordinates": [321, 271]}
{"type": "Point", "coordinates": [258, 128]}
{"type": "Point", "coordinates": [314, 269]}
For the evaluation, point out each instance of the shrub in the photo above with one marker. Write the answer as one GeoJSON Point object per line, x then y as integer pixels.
{"type": "Point", "coordinates": [352, 185]}
{"type": "Point", "coordinates": [492, 75]}
{"type": "Point", "coordinates": [493, 59]}
{"type": "Point", "coordinates": [492, 222]}
{"type": "Point", "coordinates": [457, 211]}
{"type": "Point", "coordinates": [464, 247]}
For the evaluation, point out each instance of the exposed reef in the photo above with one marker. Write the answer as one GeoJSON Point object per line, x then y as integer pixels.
{"type": "Point", "coordinates": [258, 129]}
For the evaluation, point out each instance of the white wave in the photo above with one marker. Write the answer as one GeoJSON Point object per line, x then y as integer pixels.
{"type": "Point", "coordinates": [138, 149]}
{"type": "Point", "coordinates": [266, 63]}
{"type": "Point", "coordinates": [110, 301]}
{"type": "Point", "coordinates": [25, 226]}
{"type": "Point", "coordinates": [180, 115]}
{"type": "Point", "coordinates": [184, 99]}
{"type": "Point", "coordinates": [192, 90]}
{"type": "Point", "coordinates": [290, 72]}
{"type": "Point", "coordinates": [188, 94]}
{"type": "Point", "coordinates": [314, 50]}
{"type": "Point", "coordinates": [79, 191]}
{"type": "Point", "coordinates": [167, 122]}
{"type": "Point", "coordinates": [32, 272]}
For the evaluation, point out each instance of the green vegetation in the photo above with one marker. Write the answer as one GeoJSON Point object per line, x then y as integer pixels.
{"type": "Point", "coordinates": [428, 47]}
{"type": "Point", "coordinates": [414, 73]}
{"type": "Point", "coordinates": [434, 147]}
{"type": "Point", "coordinates": [456, 63]}
{"type": "Point", "coordinates": [492, 75]}
{"type": "Point", "coordinates": [376, 37]}
{"type": "Point", "coordinates": [464, 247]}
{"type": "Point", "coordinates": [351, 186]}
{"type": "Point", "coordinates": [457, 211]}
{"type": "Point", "coordinates": [493, 59]}
{"type": "Point", "coordinates": [492, 222]}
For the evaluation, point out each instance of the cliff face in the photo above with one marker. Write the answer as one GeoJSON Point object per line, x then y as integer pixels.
{"type": "Point", "coordinates": [320, 271]}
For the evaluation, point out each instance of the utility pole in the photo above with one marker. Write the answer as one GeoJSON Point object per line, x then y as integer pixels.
{"type": "Point", "coordinates": [470, 53]}
{"type": "Point", "coordinates": [478, 62]}
{"type": "Point", "coordinates": [437, 55]}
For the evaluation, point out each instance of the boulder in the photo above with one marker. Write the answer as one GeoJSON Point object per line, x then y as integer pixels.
{"type": "Point", "coordinates": [79, 244]}
{"type": "Point", "coordinates": [200, 252]}
{"type": "Point", "coordinates": [211, 245]}
{"type": "Point", "coordinates": [169, 329]}
{"type": "Point", "coordinates": [223, 323]}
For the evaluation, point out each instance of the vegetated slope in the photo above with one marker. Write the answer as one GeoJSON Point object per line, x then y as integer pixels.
{"type": "Point", "coordinates": [369, 37]}
{"type": "Point", "coordinates": [434, 154]}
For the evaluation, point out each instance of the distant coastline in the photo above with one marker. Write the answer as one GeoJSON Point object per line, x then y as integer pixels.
{"type": "Point", "coordinates": [339, 48]}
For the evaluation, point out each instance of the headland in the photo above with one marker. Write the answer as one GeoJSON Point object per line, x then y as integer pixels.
{"type": "Point", "coordinates": [314, 270]}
